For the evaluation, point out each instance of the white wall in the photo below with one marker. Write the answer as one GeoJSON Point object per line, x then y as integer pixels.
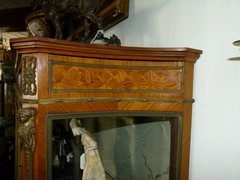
{"type": "Point", "coordinates": [211, 26]}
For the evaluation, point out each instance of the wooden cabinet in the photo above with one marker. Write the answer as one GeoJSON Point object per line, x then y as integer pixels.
{"type": "Point", "coordinates": [63, 77]}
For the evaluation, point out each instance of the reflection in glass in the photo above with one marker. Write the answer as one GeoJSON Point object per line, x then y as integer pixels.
{"type": "Point", "coordinates": [141, 146]}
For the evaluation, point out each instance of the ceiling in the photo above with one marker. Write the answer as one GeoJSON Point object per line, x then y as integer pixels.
{"type": "Point", "coordinates": [9, 4]}
{"type": "Point", "coordinates": [12, 15]}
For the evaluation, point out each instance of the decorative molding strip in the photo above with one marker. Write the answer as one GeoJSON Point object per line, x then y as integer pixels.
{"type": "Point", "coordinates": [52, 101]}
{"type": "Point", "coordinates": [26, 133]}
{"type": "Point", "coordinates": [29, 86]}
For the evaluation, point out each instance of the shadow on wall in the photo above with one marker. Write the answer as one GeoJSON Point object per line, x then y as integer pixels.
{"type": "Point", "coordinates": [139, 18]}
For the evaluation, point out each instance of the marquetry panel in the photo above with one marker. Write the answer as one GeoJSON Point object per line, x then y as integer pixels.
{"type": "Point", "coordinates": [88, 77]}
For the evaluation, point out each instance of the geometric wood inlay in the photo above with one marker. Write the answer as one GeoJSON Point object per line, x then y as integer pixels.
{"type": "Point", "coordinates": [131, 79]}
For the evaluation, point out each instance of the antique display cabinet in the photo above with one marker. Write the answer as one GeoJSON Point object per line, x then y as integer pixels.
{"type": "Point", "coordinates": [136, 102]}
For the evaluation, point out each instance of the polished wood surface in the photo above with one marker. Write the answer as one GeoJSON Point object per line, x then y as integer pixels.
{"type": "Point", "coordinates": [76, 77]}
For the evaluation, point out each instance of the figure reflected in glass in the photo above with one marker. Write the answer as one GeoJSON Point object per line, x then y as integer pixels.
{"type": "Point", "coordinates": [93, 167]}
{"type": "Point", "coordinates": [62, 152]}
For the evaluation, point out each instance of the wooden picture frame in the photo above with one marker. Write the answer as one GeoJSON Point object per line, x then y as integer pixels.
{"type": "Point", "coordinates": [111, 12]}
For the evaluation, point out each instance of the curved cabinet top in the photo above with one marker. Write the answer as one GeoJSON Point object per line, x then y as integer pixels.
{"type": "Point", "coordinates": [62, 47]}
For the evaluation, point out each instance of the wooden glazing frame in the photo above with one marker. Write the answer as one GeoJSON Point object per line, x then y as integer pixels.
{"type": "Point", "coordinates": [175, 144]}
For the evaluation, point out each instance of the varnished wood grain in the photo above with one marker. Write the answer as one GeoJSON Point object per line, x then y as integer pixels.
{"type": "Point", "coordinates": [74, 77]}
{"type": "Point", "coordinates": [75, 49]}
{"type": "Point", "coordinates": [84, 77]}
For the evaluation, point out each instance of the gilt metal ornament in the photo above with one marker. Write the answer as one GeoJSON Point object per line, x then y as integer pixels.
{"type": "Point", "coordinates": [26, 133]}
{"type": "Point", "coordinates": [29, 86]}
{"type": "Point", "coordinates": [63, 14]}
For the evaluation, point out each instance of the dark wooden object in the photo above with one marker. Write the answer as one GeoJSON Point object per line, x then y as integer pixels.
{"type": "Point", "coordinates": [132, 79]}
{"type": "Point", "coordinates": [76, 21]}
